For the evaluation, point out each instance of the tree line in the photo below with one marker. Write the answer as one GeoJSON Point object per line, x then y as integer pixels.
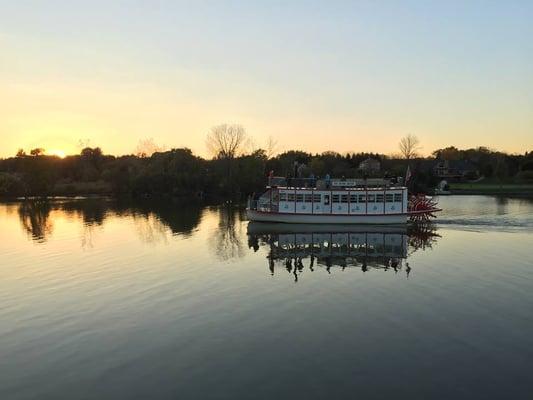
{"type": "Point", "coordinates": [235, 169]}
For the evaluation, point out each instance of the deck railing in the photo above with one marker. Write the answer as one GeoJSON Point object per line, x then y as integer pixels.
{"type": "Point", "coordinates": [314, 183]}
{"type": "Point", "coordinates": [261, 205]}
{"type": "Point", "coordinates": [279, 181]}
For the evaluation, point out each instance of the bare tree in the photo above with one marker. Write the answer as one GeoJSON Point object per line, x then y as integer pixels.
{"type": "Point", "coordinates": [409, 146]}
{"type": "Point", "coordinates": [147, 147]}
{"type": "Point", "coordinates": [226, 141]}
{"type": "Point", "coordinates": [271, 147]}
{"type": "Point", "coordinates": [250, 146]}
{"type": "Point", "coordinates": [83, 143]}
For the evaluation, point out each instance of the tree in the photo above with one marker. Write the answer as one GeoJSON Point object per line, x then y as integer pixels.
{"type": "Point", "coordinates": [21, 153]}
{"type": "Point", "coordinates": [409, 146]}
{"type": "Point", "coordinates": [89, 152]}
{"type": "Point", "coordinates": [271, 147]}
{"type": "Point", "coordinates": [317, 167]}
{"type": "Point", "coordinates": [226, 141]}
{"type": "Point", "coordinates": [448, 153]}
{"type": "Point", "coordinates": [90, 164]}
{"type": "Point", "coordinates": [39, 151]}
{"type": "Point", "coordinates": [501, 171]}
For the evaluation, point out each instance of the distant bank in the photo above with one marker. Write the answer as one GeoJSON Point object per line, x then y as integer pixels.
{"type": "Point", "coordinates": [506, 189]}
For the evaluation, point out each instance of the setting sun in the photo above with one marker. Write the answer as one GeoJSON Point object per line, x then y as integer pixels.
{"type": "Point", "coordinates": [58, 153]}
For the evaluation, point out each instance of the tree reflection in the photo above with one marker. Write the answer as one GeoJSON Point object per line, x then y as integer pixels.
{"type": "Point", "coordinates": [181, 219]}
{"type": "Point", "coordinates": [227, 239]}
{"type": "Point", "coordinates": [422, 236]}
{"type": "Point", "coordinates": [34, 218]}
{"type": "Point", "coordinates": [154, 221]}
{"type": "Point", "coordinates": [91, 211]}
{"type": "Point", "coordinates": [296, 248]}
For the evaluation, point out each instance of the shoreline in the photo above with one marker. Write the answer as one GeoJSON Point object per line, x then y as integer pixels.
{"type": "Point", "coordinates": [512, 193]}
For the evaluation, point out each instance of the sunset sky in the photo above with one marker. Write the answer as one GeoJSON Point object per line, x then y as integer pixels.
{"type": "Point", "coordinates": [330, 75]}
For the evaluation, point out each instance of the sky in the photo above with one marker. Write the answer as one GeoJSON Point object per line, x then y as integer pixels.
{"type": "Point", "coordinates": [316, 76]}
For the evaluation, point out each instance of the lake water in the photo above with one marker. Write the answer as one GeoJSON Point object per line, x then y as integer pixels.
{"type": "Point", "coordinates": [107, 300]}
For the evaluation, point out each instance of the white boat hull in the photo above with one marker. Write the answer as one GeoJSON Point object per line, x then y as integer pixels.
{"type": "Point", "coordinates": [262, 228]}
{"type": "Point", "coordinates": [370, 219]}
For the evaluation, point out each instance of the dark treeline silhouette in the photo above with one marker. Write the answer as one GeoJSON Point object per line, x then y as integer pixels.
{"type": "Point", "coordinates": [178, 173]}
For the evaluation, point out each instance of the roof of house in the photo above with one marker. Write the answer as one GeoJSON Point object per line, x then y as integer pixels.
{"type": "Point", "coordinates": [462, 165]}
{"type": "Point", "coordinates": [369, 161]}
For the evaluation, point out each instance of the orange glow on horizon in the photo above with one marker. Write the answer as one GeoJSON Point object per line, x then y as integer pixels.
{"type": "Point", "coordinates": [56, 152]}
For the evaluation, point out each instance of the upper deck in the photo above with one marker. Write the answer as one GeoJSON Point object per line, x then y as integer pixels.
{"type": "Point", "coordinates": [332, 184]}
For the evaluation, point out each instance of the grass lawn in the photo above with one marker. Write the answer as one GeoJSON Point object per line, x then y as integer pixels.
{"type": "Point", "coordinates": [497, 187]}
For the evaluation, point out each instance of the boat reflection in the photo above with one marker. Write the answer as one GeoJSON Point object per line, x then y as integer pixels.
{"type": "Point", "coordinates": [294, 248]}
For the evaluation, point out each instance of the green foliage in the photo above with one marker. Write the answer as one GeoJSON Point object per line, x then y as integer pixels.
{"type": "Point", "coordinates": [527, 165]}
{"type": "Point", "coordinates": [174, 173]}
{"type": "Point", "coordinates": [178, 173]}
{"type": "Point", "coordinates": [11, 185]}
{"type": "Point", "coordinates": [525, 176]}
{"type": "Point", "coordinates": [501, 172]}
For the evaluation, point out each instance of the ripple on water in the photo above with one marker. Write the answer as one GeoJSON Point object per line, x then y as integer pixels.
{"type": "Point", "coordinates": [144, 302]}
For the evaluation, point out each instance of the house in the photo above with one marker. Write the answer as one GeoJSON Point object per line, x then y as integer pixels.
{"type": "Point", "coordinates": [370, 165]}
{"type": "Point", "coordinates": [455, 170]}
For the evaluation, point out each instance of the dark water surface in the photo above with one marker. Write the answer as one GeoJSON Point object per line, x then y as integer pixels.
{"type": "Point", "coordinates": [103, 300]}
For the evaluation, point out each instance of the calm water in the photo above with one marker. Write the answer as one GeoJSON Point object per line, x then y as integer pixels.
{"type": "Point", "coordinates": [103, 300]}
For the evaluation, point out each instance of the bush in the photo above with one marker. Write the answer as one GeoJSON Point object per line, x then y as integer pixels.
{"type": "Point", "coordinates": [525, 176]}
{"type": "Point", "coordinates": [527, 166]}
{"type": "Point", "coordinates": [11, 185]}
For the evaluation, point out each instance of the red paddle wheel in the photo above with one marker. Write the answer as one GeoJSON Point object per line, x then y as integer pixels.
{"type": "Point", "coordinates": [422, 208]}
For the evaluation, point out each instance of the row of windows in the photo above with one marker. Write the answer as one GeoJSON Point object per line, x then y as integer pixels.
{"type": "Point", "coordinates": [341, 198]}
{"type": "Point", "coordinates": [300, 198]}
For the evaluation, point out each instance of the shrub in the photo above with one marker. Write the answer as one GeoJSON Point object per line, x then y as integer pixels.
{"type": "Point", "coordinates": [525, 176]}
{"type": "Point", "coordinates": [11, 185]}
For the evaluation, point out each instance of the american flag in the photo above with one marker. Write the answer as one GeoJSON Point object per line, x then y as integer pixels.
{"type": "Point", "coordinates": [408, 175]}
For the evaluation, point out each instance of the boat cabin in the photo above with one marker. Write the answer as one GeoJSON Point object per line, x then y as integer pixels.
{"type": "Point", "coordinates": [332, 197]}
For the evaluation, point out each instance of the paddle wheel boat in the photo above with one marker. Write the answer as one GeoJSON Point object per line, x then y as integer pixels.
{"type": "Point", "coordinates": [338, 201]}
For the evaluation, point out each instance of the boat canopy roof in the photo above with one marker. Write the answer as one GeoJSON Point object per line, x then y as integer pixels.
{"type": "Point", "coordinates": [331, 184]}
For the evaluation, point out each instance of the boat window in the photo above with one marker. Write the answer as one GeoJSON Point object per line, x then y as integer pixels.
{"type": "Point", "coordinates": [290, 197]}
{"type": "Point", "coordinates": [335, 198]}
{"type": "Point", "coordinates": [389, 197]}
{"type": "Point", "coordinates": [326, 199]}
{"type": "Point", "coordinates": [353, 198]}
{"type": "Point", "coordinates": [379, 198]}
{"type": "Point", "coordinates": [308, 198]}
{"type": "Point", "coordinates": [362, 198]}
{"type": "Point", "coordinates": [283, 197]}
{"type": "Point", "coordinates": [398, 197]}
{"type": "Point", "coordinates": [299, 198]}
{"type": "Point", "coordinates": [316, 198]}
{"type": "Point", "coordinates": [371, 198]}
{"type": "Point", "coordinates": [344, 198]}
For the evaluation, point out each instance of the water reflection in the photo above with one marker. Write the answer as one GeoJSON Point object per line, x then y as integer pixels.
{"type": "Point", "coordinates": [170, 318]}
{"type": "Point", "coordinates": [35, 219]}
{"type": "Point", "coordinates": [227, 240]}
{"type": "Point", "coordinates": [180, 219]}
{"type": "Point", "coordinates": [295, 248]}
{"type": "Point", "coordinates": [152, 219]}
